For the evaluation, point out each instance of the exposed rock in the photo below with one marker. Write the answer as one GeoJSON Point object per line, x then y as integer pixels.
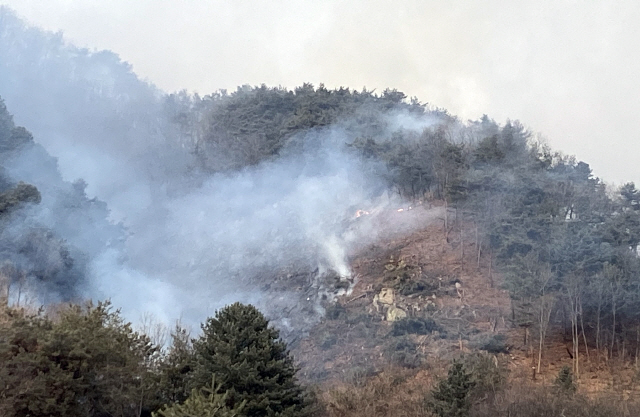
{"type": "Point", "coordinates": [383, 299]}
{"type": "Point", "coordinates": [395, 313]}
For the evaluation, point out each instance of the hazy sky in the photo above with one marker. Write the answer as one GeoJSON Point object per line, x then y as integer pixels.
{"type": "Point", "coordinates": [569, 70]}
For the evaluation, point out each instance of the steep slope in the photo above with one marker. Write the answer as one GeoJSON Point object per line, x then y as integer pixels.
{"type": "Point", "coordinates": [417, 296]}
{"type": "Point", "coordinates": [422, 299]}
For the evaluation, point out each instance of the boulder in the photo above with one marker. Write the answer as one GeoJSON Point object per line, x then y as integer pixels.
{"type": "Point", "coordinates": [395, 313]}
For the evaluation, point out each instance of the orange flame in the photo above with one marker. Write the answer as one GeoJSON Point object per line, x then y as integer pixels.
{"type": "Point", "coordinates": [360, 213]}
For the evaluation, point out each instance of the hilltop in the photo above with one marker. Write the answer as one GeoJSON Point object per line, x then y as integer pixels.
{"type": "Point", "coordinates": [391, 244]}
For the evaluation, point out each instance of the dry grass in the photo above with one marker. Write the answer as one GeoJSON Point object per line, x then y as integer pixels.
{"type": "Point", "coordinates": [395, 392]}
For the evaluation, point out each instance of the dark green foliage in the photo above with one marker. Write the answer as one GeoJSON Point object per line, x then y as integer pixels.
{"type": "Point", "coordinates": [205, 402]}
{"type": "Point", "coordinates": [256, 123]}
{"type": "Point", "coordinates": [414, 325]}
{"type": "Point", "coordinates": [409, 287]}
{"type": "Point", "coordinates": [88, 362]}
{"type": "Point", "coordinates": [451, 397]}
{"type": "Point", "coordinates": [249, 360]}
{"type": "Point", "coordinates": [43, 257]}
{"type": "Point", "coordinates": [488, 151]}
{"type": "Point", "coordinates": [564, 381]}
{"type": "Point", "coordinates": [50, 258]}
{"type": "Point", "coordinates": [488, 373]}
{"type": "Point", "coordinates": [405, 279]}
{"type": "Point", "coordinates": [328, 340]}
{"type": "Point", "coordinates": [11, 137]}
{"type": "Point", "coordinates": [175, 369]}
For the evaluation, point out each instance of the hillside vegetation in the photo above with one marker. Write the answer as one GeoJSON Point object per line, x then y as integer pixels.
{"type": "Point", "coordinates": [565, 245]}
{"type": "Point", "coordinates": [554, 246]}
{"type": "Point", "coordinates": [407, 262]}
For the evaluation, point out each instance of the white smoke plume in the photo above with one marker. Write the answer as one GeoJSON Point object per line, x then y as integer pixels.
{"type": "Point", "coordinates": [193, 242]}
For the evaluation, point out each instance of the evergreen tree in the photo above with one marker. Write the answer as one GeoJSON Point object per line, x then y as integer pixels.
{"type": "Point", "coordinates": [451, 397]}
{"type": "Point", "coordinates": [245, 354]}
{"type": "Point", "coordinates": [86, 363]}
{"type": "Point", "coordinates": [206, 402]}
{"type": "Point", "coordinates": [564, 381]}
{"type": "Point", "coordinates": [175, 368]}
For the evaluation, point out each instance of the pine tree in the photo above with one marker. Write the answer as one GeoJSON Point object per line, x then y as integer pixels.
{"type": "Point", "coordinates": [206, 402]}
{"type": "Point", "coordinates": [88, 362]}
{"type": "Point", "coordinates": [175, 368]}
{"type": "Point", "coordinates": [564, 381]}
{"type": "Point", "coordinates": [246, 355]}
{"type": "Point", "coordinates": [451, 397]}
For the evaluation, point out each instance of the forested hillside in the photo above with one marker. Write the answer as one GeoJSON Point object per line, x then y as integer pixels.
{"type": "Point", "coordinates": [560, 238]}
{"type": "Point", "coordinates": [47, 233]}
{"type": "Point", "coordinates": [382, 237]}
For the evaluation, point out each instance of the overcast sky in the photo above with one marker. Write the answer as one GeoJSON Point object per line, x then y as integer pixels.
{"type": "Point", "coordinates": [569, 70]}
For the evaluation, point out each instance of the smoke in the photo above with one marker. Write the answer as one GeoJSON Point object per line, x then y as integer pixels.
{"type": "Point", "coordinates": [170, 240]}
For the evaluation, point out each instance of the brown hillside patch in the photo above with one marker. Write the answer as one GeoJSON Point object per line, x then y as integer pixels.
{"type": "Point", "coordinates": [421, 270]}
{"type": "Point", "coordinates": [355, 340]}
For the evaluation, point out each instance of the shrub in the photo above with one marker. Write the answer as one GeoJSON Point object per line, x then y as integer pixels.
{"type": "Point", "coordinates": [488, 373]}
{"type": "Point", "coordinates": [409, 286]}
{"type": "Point", "coordinates": [414, 325]}
{"type": "Point", "coordinates": [564, 381]}
{"type": "Point", "coordinates": [402, 351]}
{"type": "Point", "coordinates": [335, 312]}
{"type": "Point", "coordinates": [209, 402]}
{"type": "Point", "coordinates": [327, 339]}
{"type": "Point", "coordinates": [358, 375]}
{"type": "Point", "coordinates": [451, 398]}
{"type": "Point", "coordinates": [493, 343]}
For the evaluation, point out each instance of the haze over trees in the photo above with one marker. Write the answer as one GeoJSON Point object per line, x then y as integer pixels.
{"type": "Point", "coordinates": [257, 189]}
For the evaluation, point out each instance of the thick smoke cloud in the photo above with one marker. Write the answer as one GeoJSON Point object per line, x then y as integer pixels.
{"type": "Point", "coordinates": [180, 243]}
{"type": "Point", "coordinates": [235, 233]}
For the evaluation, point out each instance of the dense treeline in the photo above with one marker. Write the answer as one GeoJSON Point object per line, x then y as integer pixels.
{"type": "Point", "coordinates": [565, 243]}
{"type": "Point", "coordinates": [233, 130]}
{"type": "Point", "coordinates": [36, 253]}
{"type": "Point", "coordinates": [87, 361]}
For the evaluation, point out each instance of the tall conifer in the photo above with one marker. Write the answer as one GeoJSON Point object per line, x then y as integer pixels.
{"type": "Point", "coordinates": [249, 360]}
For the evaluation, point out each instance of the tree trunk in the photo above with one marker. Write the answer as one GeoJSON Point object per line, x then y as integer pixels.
{"type": "Point", "coordinates": [479, 246]}
{"type": "Point", "coordinates": [637, 343]}
{"type": "Point", "coordinates": [446, 221]}
{"type": "Point", "coordinates": [584, 337]}
{"type": "Point", "coordinates": [491, 268]}
{"type": "Point", "coordinates": [462, 243]}
{"type": "Point", "coordinates": [546, 305]}
{"type": "Point", "coordinates": [613, 325]}
{"type": "Point", "coordinates": [575, 335]}
{"type": "Point", "coordinates": [598, 346]}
